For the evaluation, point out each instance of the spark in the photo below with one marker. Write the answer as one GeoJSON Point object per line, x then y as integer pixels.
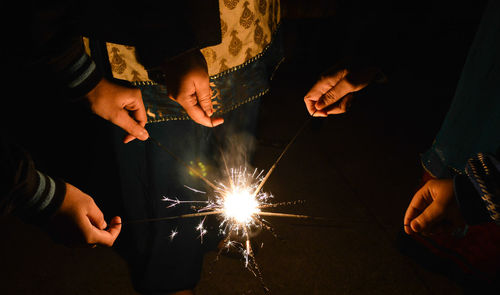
{"type": "Point", "coordinates": [238, 202]}
{"type": "Point", "coordinates": [201, 229]}
{"type": "Point", "coordinates": [176, 201]}
{"type": "Point", "coordinates": [173, 234]}
{"type": "Point", "coordinates": [194, 190]}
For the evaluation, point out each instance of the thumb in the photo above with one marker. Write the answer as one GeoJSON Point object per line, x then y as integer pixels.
{"type": "Point", "coordinates": [204, 95]}
{"type": "Point", "coordinates": [338, 91]}
{"type": "Point", "coordinates": [429, 217]}
{"type": "Point", "coordinates": [107, 237]}
{"type": "Point", "coordinates": [130, 125]}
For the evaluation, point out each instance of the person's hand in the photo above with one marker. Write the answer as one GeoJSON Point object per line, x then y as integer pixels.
{"type": "Point", "coordinates": [433, 209]}
{"type": "Point", "coordinates": [188, 84]}
{"type": "Point", "coordinates": [121, 106]}
{"type": "Point", "coordinates": [80, 222]}
{"type": "Point", "coordinates": [333, 93]}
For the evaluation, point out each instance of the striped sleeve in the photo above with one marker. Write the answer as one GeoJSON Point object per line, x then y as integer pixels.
{"type": "Point", "coordinates": [80, 76]}
{"type": "Point", "coordinates": [64, 65]}
{"type": "Point", "coordinates": [47, 198]}
{"type": "Point", "coordinates": [24, 191]}
{"type": "Point", "coordinates": [74, 70]}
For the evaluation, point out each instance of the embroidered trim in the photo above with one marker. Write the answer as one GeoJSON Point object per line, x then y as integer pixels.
{"type": "Point", "coordinates": [276, 68]}
{"type": "Point", "coordinates": [179, 117]}
{"type": "Point", "coordinates": [143, 83]}
{"type": "Point", "coordinates": [186, 117]}
{"type": "Point", "coordinates": [478, 169]}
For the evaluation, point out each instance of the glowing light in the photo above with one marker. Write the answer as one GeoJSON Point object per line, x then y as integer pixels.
{"type": "Point", "coordinates": [240, 205]}
{"type": "Point", "coordinates": [238, 202]}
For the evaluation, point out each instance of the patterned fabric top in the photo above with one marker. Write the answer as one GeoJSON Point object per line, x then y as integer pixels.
{"type": "Point", "coordinates": [246, 27]}
{"type": "Point", "coordinates": [240, 67]}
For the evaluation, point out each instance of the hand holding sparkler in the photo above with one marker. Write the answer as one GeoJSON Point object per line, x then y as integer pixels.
{"type": "Point", "coordinates": [121, 106]}
{"type": "Point", "coordinates": [188, 84]}
{"type": "Point", "coordinates": [433, 209]}
{"type": "Point", "coordinates": [80, 222]}
{"type": "Point", "coordinates": [333, 93]}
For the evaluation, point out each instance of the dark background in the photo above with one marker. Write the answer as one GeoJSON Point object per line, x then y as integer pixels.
{"type": "Point", "coordinates": [359, 168]}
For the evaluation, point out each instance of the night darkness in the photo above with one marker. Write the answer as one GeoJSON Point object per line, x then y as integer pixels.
{"type": "Point", "coordinates": [360, 169]}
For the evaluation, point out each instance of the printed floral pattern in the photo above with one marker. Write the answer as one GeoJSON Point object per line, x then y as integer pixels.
{"type": "Point", "coordinates": [246, 28]}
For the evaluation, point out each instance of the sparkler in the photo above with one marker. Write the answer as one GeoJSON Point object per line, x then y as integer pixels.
{"type": "Point", "coordinates": [238, 203]}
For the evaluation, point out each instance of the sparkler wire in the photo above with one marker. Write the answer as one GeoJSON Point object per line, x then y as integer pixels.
{"type": "Point", "coordinates": [277, 214]}
{"type": "Point", "coordinates": [264, 180]}
{"type": "Point", "coordinates": [218, 142]}
{"type": "Point", "coordinates": [171, 217]}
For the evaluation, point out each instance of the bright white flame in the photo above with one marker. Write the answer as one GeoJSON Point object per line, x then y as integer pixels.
{"type": "Point", "coordinates": [240, 205]}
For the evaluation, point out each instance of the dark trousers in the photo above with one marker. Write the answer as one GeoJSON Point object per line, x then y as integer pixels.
{"type": "Point", "coordinates": [147, 173]}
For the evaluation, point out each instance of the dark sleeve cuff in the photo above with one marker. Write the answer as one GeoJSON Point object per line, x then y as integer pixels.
{"type": "Point", "coordinates": [46, 200]}
{"type": "Point", "coordinates": [469, 201]}
{"type": "Point", "coordinates": [80, 77]}
{"type": "Point", "coordinates": [65, 66]}
{"type": "Point", "coordinates": [44, 215]}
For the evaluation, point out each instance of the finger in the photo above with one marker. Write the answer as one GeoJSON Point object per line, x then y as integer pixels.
{"type": "Point", "coordinates": [216, 122]}
{"type": "Point", "coordinates": [341, 107]}
{"type": "Point", "coordinates": [204, 94]}
{"type": "Point", "coordinates": [131, 126]}
{"type": "Point", "coordinates": [309, 105]}
{"type": "Point", "coordinates": [324, 84]}
{"type": "Point", "coordinates": [115, 221]}
{"type": "Point", "coordinates": [137, 109]}
{"type": "Point", "coordinates": [106, 237]}
{"type": "Point", "coordinates": [312, 109]}
{"type": "Point", "coordinates": [342, 88]}
{"type": "Point", "coordinates": [417, 206]}
{"type": "Point", "coordinates": [198, 115]}
{"type": "Point", "coordinates": [426, 221]}
{"type": "Point", "coordinates": [115, 227]}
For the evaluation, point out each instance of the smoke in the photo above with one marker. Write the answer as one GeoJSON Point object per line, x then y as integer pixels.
{"type": "Point", "coordinates": [238, 150]}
